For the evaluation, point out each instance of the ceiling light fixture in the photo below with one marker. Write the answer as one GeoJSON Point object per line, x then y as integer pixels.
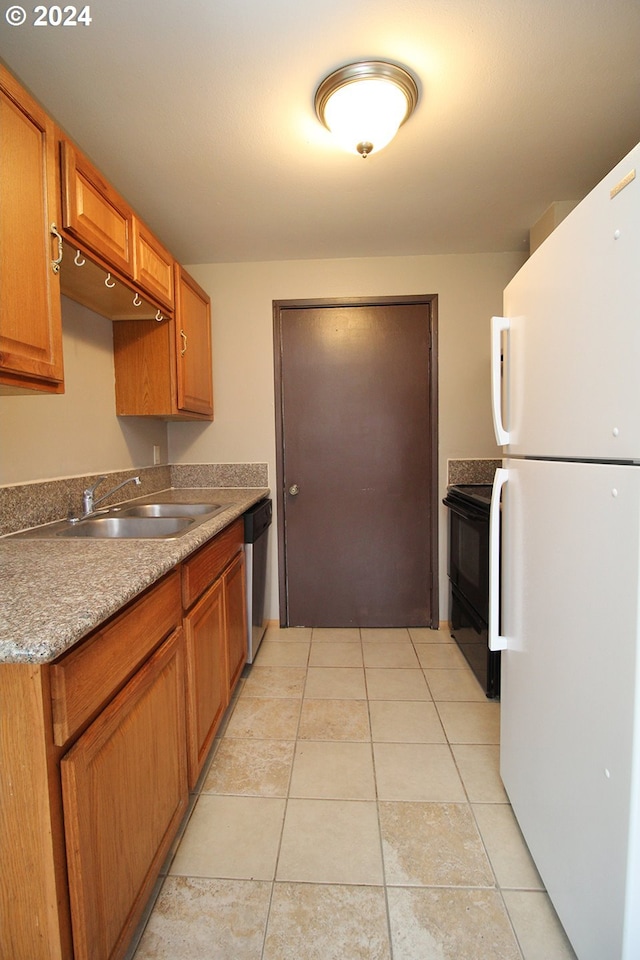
{"type": "Point", "coordinates": [364, 104]}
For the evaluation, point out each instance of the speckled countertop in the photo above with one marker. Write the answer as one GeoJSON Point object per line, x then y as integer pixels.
{"type": "Point", "coordinates": [54, 592]}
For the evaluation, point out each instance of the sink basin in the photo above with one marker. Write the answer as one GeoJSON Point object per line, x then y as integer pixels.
{"type": "Point", "coordinates": [171, 509]}
{"type": "Point", "coordinates": [142, 521]}
{"type": "Point", "coordinates": [127, 527]}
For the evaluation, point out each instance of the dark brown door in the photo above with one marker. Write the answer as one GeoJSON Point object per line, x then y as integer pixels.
{"type": "Point", "coordinates": [357, 463]}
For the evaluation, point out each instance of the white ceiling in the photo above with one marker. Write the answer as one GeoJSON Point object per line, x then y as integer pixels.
{"type": "Point", "coordinates": [201, 113]}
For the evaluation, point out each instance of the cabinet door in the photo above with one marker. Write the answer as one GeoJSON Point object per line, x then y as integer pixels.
{"type": "Point", "coordinates": [30, 322]}
{"type": "Point", "coordinates": [153, 265]}
{"type": "Point", "coordinates": [236, 619]}
{"type": "Point", "coordinates": [193, 346]}
{"type": "Point", "coordinates": [206, 675]}
{"type": "Point", "coordinates": [94, 213]}
{"type": "Point", "coordinates": [124, 792]}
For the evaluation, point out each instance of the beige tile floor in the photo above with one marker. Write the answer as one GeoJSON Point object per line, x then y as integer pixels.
{"type": "Point", "coordinates": [353, 810]}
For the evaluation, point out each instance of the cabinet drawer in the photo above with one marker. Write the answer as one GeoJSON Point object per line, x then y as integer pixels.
{"type": "Point", "coordinates": [208, 563]}
{"type": "Point", "coordinates": [86, 677]}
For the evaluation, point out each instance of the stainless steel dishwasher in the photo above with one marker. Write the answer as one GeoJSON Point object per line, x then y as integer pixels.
{"type": "Point", "coordinates": [257, 521]}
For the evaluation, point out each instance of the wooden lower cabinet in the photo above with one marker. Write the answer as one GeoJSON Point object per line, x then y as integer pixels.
{"type": "Point", "coordinates": [34, 902]}
{"type": "Point", "coordinates": [93, 782]}
{"type": "Point", "coordinates": [207, 694]}
{"type": "Point", "coordinates": [98, 750]}
{"type": "Point", "coordinates": [213, 593]}
{"type": "Point", "coordinates": [236, 620]}
{"type": "Point", "coordinates": [124, 788]}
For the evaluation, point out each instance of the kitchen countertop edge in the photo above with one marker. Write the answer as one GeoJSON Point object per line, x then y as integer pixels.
{"type": "Point", "coordinates": [53, 593]}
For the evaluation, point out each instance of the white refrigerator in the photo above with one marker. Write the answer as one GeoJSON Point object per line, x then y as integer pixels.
{"type": "Point", "coordinates": [565, 562]}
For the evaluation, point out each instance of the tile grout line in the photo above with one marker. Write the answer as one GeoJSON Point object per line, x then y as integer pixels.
{"type": "Point", "coordinates": [380, 839]}
{"type": "Point", "coordinates": [193, 797]}
{"type": "Point", "coordinates": [497, 886]}
{"type": "Point", "coordinates": [197, 793]}
{"type": "Point", "coordinates": [285, 808]}
{"type": "Point", "coordinates": [469, 804]}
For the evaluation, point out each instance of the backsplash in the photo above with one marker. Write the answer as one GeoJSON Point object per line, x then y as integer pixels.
{"type": "Point", "coordinates": [220, 475]}
{"type": "Point", "coordinates": [471, 471]}
{"type": "Point", "coordinates": [30, 504]}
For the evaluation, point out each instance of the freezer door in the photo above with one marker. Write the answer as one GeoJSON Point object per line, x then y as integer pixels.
{"type": "Point", "coordinates": [570, 711]}
{"type": "Point", "coordinates": [571, 342]}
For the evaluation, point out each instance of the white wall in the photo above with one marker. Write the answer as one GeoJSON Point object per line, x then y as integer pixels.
{"type": "Point", "coordinates": [43, 437]}
{"type": "Point", "coordinates": [469, 290]}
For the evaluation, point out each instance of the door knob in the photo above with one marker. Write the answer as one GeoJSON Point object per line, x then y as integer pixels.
{"type": "Point", "coordinates": [294, 490]}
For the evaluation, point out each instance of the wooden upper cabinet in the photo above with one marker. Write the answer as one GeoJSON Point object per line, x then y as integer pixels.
{"type": "Point", "coordinates": [93, 213]}
{"type": "Point", "coordinates": [163, 369]}
{"type": "Point", "coordinates": [193, 346]}
{"type": "Point", "coordinates": [162, 337]}
{"type": "Point", "coordinates": [30, 320]}
{"type": "Point", "coordinates": [153, 265]}
{"type": "Point", "coordinates": [99, 220]}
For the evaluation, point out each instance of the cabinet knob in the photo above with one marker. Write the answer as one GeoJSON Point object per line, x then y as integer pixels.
{"type": "Point", "coordinates": [294, 490]}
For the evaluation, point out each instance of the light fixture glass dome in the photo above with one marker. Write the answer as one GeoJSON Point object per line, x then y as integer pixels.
{"type": "Point", "coordinates": [364, 104]}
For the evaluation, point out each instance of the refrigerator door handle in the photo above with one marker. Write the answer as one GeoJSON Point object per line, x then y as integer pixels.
{"type": "Point", "coordinates": [496, 641]}
{"type": "Point", "coordinates": [498, 326]}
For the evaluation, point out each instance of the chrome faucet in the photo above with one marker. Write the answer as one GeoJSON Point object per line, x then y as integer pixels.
{"type": "Point", "coordinates": [89, 504]}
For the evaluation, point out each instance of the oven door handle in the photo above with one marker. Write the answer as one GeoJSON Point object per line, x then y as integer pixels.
{"type": "Point", "coordinates": [496, 640]}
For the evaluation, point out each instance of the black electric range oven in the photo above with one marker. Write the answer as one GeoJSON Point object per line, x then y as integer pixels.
{"type": "Point", "coordinates": [469, 507]}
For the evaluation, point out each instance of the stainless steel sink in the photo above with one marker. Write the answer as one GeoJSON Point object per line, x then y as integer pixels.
{"type": "Point", "coordinates": [171, 509]}
{"type": "Point", "coordinates": [127, 527]}
{"type": "Point", "coordinates": [142, 521]}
